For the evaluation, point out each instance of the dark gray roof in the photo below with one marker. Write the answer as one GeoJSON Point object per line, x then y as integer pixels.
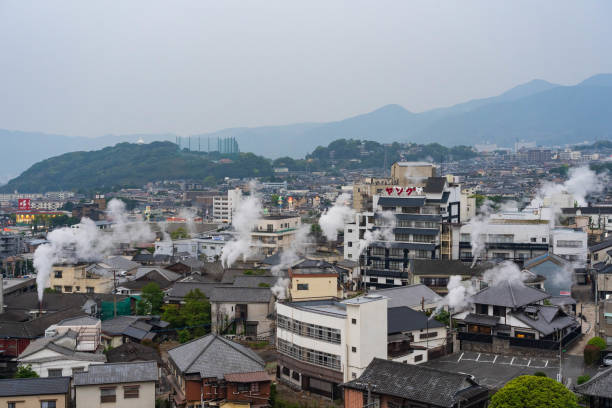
{"type": "Point", "coordinates": [443, 267]}
{"type": "Point", "coordinates": [119, 262]}
{"type": "Point", "coordinates": [401, 201]}
{"type": "Point", "coordinates": [509, 294]}
{"type": "Point", "coordinates": [181, 289]}
{"type": "Point", "coordinates": [215, 356]}
{"type": "Point", "coordinates": [415, 383]}
{"type": "Point", "coordinates": [484, 320]}
{"type": "Point", "coordinates": [602, 245]}
{"type": "Point", "coordinates": [549, 319]}
{"type": "Point", "coordinates": [434, 184]}
{"type": "Point", "coordinates": [17, 387]}
{"type": "Point", "coordinates": [420, 231]}
{"type": "Point", "coordinates": [403, 319]}
{"type": "Point", "coordinates": [598, 386]}
{"type": "Point", "coordinates": [253, 281]}
{"type": "Point", "coordinates": [117, 373]}
{"type": "Point", "coordinates": [132, 326]}
{"type": "Point", "coordinates": [132, 351]}
{"type": "Point", "coordinates": [410, 296]}
{"type": "Point", "coordinates": [414, 217]}
{"type": "Point", "coordinates": [243, 295]}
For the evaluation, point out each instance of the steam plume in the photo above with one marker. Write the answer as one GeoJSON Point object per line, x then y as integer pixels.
{"type": "Point", "coordinates": [86, 242]}
{"type": "Point", "coordinates": [333, 219]}
{"type": "Point", "coordinates": [478, 232]}
{"type": "Point", "coordinates": [383, 233]}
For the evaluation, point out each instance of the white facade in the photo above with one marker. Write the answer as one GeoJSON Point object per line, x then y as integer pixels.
{"type": "Point", "coordinates": [342, 337]}
{"type": "Point", "coordinates": [224, 207]}
{"type": "Point", "coordinates": [570, 244]}
{"type": "Point", "coordinates": [89, 395]}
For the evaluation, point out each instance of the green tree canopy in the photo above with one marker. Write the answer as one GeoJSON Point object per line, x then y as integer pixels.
{"type": "Point", "coordinates": [25, 371]}
{"type": "Point", "coordinates": [193, 315]}
{"type": "Point", "coordinates": [598, 342]}
{"type": "Point", "coordinates": [151, 301]}
{"type": "Point", "coordinates": [528, 391]}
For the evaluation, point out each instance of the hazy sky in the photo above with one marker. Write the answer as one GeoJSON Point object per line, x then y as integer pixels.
{"type": "Point", "coordinates": [91, 68]}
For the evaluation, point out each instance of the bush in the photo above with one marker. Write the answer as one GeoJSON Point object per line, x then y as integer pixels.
{"type": "Point", "coordinates": [540, 374]}
{"type": "Point", "coordinates": [25, 372]}
{"type": "Point", "coordinates": [599, 342]}
{"type": "Point", "coordinates": [583, 378]}
{"type": "Point", "coordinates": [528, 391]}
{"type": "Point", "coordinates": [591, 354]}
{"type": "Point", "coordinates": [184, 336]}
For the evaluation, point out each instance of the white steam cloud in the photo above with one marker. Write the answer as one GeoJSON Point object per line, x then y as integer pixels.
{"type": "Point", "coordinates": [333, 219]}
{"type": "Point", "coordinates": [86, 242]}
{"type": "Point", "coordinates": [582, 181]}
{"type": "Point", "coordinates": [189, 214]}
{"type": "Point", "coordinates": [383, 233]}
{"type": "Point", "coordinates": [478, 233]}
{"type": "Point", "coordinates": [248, 212]}
{"type": "Point", "coordinates": [288, 257]}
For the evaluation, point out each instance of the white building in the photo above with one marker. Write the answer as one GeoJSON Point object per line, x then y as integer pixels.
{"type": "Point", "coordinates": [274, 232]}
{"type": "Point", "coordinates": [208, 247]}
{"type": "Point", "coordinates": [570, 244]}
{"type": "Point", "coordinates": [224, 207]}
{"type": "Point", "coordinates": [323, 343]}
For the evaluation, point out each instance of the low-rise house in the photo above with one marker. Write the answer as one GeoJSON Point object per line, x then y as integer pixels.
{"type": "Point", "coordinates": [176, 294]}
{"type": "Point", "coordinates": [88, 331]}
{"type": "Point", "coordinates": [248, 310]}
{"type": "Point", "coordinates": [602, 280]}
{"type": "Point", "coordinates": [605, 321]}
{"type": "Point", "coordinates": [57, 356]}
{"type": "Point", "coordinates": [417, 297]}
{"type": "Point", "coordinates": [598, 390]}
{"type": "Point", "coordinates": [511, 314]}
{"type": "Point", "coordinates": [35, 392]}
{"type": "Point", "coordinates": [120, 385]}
{"type": "Point", "coordinates": [219, 371]}
{"type": "Point", "coordinates": [122, 329]}
{"type": "Point", "coordinates": [313, 279]}
{"type": "Point", "coordinates": [120, 265]}
{"type": "Point", "coordinates": [391, 384]}
{"type": "Point", "coordinates": [599, 252]}
{"type": "Point", "coordinates": [79, 278]}
{"type": "Point", "coordinates": [435, 274]}
{"type": "Point", "coordinates": [144, 276]}
{"type": "Point", "coordinates": [413, 337]}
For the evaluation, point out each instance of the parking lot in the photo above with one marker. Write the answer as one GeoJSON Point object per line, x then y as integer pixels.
{"type": "Point", "coordinates": [493, 370]}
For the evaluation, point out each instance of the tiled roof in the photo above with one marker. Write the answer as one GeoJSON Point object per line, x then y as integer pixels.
{"type": "Point", "coordinates": [401, 201]}
{"type": "Point", "coordinates": [401, 319]}
{"type": "Point", "coordinates": [117, 373]}
{"type": "Point", "coordinates": [34, 386]}
{"type": "Point", "coordinates": [256, 376]}
{"type": "Point", "coordinates": [598, 386]}
{"type": "Point", "coordinates": [215, 356]}
{"type": "Point", "coordinates": [414, 383]}
{"type": "Point", "coordinates": [410, 296]}
{"type": "Point", "coordinates": [238, 294]}
{"type": "Point", "coordinates": [509, 294]}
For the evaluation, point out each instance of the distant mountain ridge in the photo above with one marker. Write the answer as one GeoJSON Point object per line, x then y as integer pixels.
{"type": "Point", "coordinates": [538, 110]}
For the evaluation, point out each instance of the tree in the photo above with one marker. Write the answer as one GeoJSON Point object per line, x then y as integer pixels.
{"type": "Point", "coordinates": [194, 315]}
{"type": "Point", "coordinates": [528, 391]}
{"type": "Point", "coordinates": [179, 233]}
{"type": "Point", "coordinates": [582, 379]}
{"type": "Point", "coordinates": [184, 336]}
{"type": "Point", "coordinates": [152, 294]}
{"type": "Point", "coordinates": [598, 342]}
{"type": "Point", "coordinates": [25, 371]}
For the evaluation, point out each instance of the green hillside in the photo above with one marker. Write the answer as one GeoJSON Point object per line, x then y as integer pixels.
{"type": "Point", "coordinates": [132, 165]}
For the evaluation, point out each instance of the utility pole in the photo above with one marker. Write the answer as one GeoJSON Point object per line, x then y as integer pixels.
{"type": "Point", "coordinates": [114, 294]}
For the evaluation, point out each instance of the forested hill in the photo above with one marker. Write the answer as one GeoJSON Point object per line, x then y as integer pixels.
{"type": "Point", "coordinates": [132, 165]}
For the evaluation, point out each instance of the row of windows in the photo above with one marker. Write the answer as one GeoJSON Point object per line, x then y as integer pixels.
{"type": "Point", "coordinates": [43, 404]}
{"type": "Point", "coordinates": [309, 330]}
{"type": "Point", "coordinates": [569, 244]}
{"type": "Point", "coordinates": [108, 394]}
{"type": "Point", "coordinates": [415, 238]}
{"type": "Point", "coordinates": [308, 355]}
{"type": "Point", "coordinates": [68, 289]}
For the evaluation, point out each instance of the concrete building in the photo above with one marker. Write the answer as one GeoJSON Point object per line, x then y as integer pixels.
{"type": "Point", "coordinates": [272, 233]}
{"type": "Point", "coordinates": [121, 385]}
{"type": "Point", "coordinates": [605, 321]}
{"type": "Point", "coordinates": [224, 207]}
{"type": "Point", "coordinates": [313, 279]}
{"type": "Point", "coordinates": [10, 244]}
{"type": "Point", "coordinates": [245, 310]}
{"type": "Point", "coordinates": [79, 278]}
{"type": "Point", "coordinates": [323, 343]}
{"type": "Point", "coordinates": [570, 244]}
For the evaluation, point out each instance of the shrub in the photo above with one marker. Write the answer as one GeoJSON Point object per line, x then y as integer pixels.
{"type": "Point", "coordinates": [540, 374]}
{"type": "Point", "coordinates": [583, 378]}
{"type": "Point", "coordinates": [591, 354]}
{"type": "Point", "coordinates": [529, 391]}
{"type": "Point", "coordinates": [599, 342]}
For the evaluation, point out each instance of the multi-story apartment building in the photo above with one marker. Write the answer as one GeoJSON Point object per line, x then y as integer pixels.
{"type": "Point", "coordinates": [274, 232]}
{"type": "Point", "coordinates": [10, 244]}
{"type": "Point", "coordinates": [224, 207]}
{"type": "Point", "coordinates": [324, 343]}
{"type": "Point", "coordinates": [79, 278]}
{"type": "Point", "coordinates": [412, 223]}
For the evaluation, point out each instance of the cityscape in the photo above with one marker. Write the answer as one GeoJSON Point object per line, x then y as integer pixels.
{"type": "Point", "coordinates": [456, 256]}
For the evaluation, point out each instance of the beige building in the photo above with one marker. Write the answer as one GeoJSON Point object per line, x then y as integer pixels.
{"type": "Point", "coordinates": [79, 278]}
{"type": "Point", "coordinates": [274, 232]}
{"type": "Point", "coordinates": [366, 189]}
{"type": "Point", "coordinates": [242, 310]}
{"type": "Point", "coordinates": [35, 392]}
{"type": "Point", "coordinates": [313, 284]}
{"type": "Point", "coordinates": [119, 385]}
{"type": "Point", "coordinates": [412, 173]}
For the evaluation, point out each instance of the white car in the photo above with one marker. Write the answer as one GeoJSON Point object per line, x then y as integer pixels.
{"type": "Point", "coordinates": [607, 361]}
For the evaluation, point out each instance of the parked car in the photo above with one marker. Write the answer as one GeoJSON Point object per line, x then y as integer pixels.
{"type": "Point", "coordinates": [607, 361]}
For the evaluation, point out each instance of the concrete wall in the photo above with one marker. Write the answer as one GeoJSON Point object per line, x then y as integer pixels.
{"type": "Point", "coordinates": [88, 396]}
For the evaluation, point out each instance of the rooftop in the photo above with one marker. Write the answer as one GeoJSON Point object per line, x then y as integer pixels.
{"type": "Point", "coordinates": [17, 387]}
{"type": "Point", "coordinates": [117, 373]}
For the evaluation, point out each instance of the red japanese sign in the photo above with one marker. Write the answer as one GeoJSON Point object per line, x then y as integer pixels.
{"type": "Point", "coordinates": [24, 204]}
{"type": "Point", "coordinates": [403, 191]}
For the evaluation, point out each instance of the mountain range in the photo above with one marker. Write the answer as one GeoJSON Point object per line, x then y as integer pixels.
{"type": "Point", "coordinates": [547, 113]}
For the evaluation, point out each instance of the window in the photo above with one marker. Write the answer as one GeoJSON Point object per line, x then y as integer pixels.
{"type": "Point", "coordinates": [429, 335]}
{"type": "Point", "coordinates": [499, 311]}
{"type": "Point", "coordinates": [11, 404]}
{"type": "Point", "coordinates": [302, 286]}
{"type": "Point", "coordinates": [57, 288]}
{"type": "Point", "coordinates": [77, 288]}
{"type": "Point", "coordinates": [54, 372]}
{"type": "Point", "coordinates": [130, 391]}
{"type": "Point", "coordinates": [354, 321]}
{"type": "Point", "coordinates": [350, 244]}
{"type": "Point", "coordinates": [255, 387]}
{"type": "Point", "coordinates": [243, 387]}
{"type": "Point", "coordinates": [569, 244]}
{"type": "Point", "coordinates": [90, 289]}
{"type": "Point", "coordinates": [418, 358]}
{"type": "Point", "coordinates": [286, 371]}
{"type": "Point", "coordinates": [373, 280]}
{"type": "Point", "coordinates": [533, 239]}
{"type": "Point", "coordinates": [354, 375]}
{"type": "Point", "coordinates": [389, 281]}
{"type": "Point", "coordinates": [107, 394]}
{"type": "Point", "coordinates": [68, 289]}
{"type": "Point", "coordinates": [482, 309]}
{"type": "Point", "coordinates": [354, 349]}
{"type": "Point", "coordinates": [543, 239]}
{"type": "Point", "coordinates": [77, 370]}
{"type": "Point", "coordinates": [57, 274]}
{"type": "Point", "coordinates": [47, 404]}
